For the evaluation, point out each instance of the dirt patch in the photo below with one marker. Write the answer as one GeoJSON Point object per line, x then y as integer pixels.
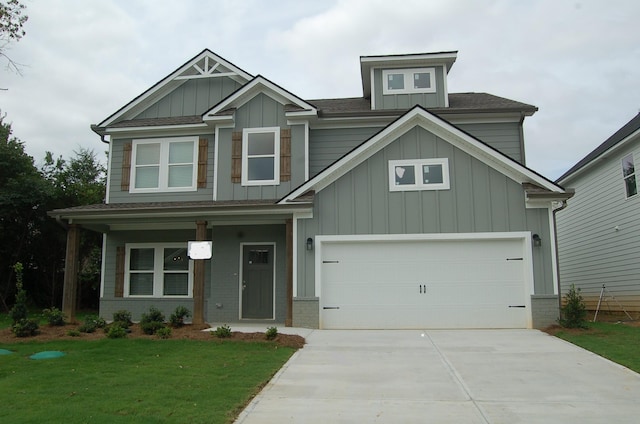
{"type": "Point", "coordinates": [187, 332]}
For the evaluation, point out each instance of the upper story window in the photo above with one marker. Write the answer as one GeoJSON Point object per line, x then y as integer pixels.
{"type": "Point", "coordinates": [261, 156]}
{"type": "Point", "coordinates": [407, 81]}
{"type": "Point", "coordinates": [419, 174]}
{"type": "Point", "coordinates": [629, 175]}
{"type": "Point", "coordinates": [157, 270]}
{"type": "Point", "coordinates": [164, 164]}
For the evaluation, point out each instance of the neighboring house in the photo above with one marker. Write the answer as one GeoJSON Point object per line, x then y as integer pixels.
{"type": "Point", "coordinates": [409, 207]}
{"type": "Point", "coordinates": [599, 233]}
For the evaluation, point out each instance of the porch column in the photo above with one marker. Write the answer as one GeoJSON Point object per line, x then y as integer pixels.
{"type": "Point", "coordinates": [71, 263]}
{"type": "Point", "coordinates": [198, 277]}
{"type": "Point", "coordinates": [288, 321]}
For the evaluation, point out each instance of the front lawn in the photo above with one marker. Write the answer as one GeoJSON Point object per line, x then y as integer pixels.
{"type": "Point", "coordinates": [617, 342]}
{"type": "Point", "coordinates": [134, 380]}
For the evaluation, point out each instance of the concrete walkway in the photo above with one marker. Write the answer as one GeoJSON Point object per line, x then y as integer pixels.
{"type": "Point", "coordinates": [442, 376]}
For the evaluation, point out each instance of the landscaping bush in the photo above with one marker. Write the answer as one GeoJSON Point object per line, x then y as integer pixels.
{"type": "Point", "coordinates": [222, 332]}
{"type": "Point", "coordinates": [164, 332]}
{"type": "Point", "coordinates": [574, 311]}
{"type": "Point", "coordinates": [25, 328]}
{"type": "Point", "coordinates": [122, 318]}
{"type": "Point", "coordinates": [54, 316]}
{"type": "Point", "coordinates": [271, 333]}
{"type": "Point", "coordinates": [73, 333]}
{"type": "Point", "coordinates": [92, 323]}
{"type": "Point", "coordinates": [152, 321]}
{"type": "Point", "coordinates": [116, 331]}
{"type": "Point", "coordinates": [177, 317]}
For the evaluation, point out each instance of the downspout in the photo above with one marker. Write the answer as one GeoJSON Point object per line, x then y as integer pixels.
{"type": "Point", "coordinates": [100, 131]}
{"type": "Point", "coordinates": [555, 231]}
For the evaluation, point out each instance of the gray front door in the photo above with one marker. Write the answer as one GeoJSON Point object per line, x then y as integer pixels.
{"type": "Point", "coordinates": [257, 281]}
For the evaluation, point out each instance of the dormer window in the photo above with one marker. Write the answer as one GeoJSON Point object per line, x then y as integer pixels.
{"type": "Point", "coordinates": [408, 81]}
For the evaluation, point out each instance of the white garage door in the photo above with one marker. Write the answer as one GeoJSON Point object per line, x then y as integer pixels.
{"type": "Point", "coordinates": [385, 284]}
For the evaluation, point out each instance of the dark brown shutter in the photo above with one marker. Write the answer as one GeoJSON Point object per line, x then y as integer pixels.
{"type": "Point", "coordinates": [202, 162]}
{"type": "Point", "coordinates": [119, 290]}
{"type": "Point", "coordinates": [236, 156]}
{"type": "Point", "coordinates": [285, 154]}
{"type": "Point", "coordinates": [126, 167]}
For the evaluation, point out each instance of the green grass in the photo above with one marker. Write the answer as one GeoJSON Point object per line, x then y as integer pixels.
{"type": "Point", "coordinates": [134, 380]}
{"type": "Point", "coordinates": [617, 342]}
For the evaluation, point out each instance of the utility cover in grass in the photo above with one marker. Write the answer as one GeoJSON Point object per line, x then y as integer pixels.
{"type": "Point", "coordinates": [47, 354]}
{"type": "Point", "coordinates": [5, 352]}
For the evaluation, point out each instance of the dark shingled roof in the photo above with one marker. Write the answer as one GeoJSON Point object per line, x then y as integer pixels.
{"type": "Point", "coordinates": [149, 122]}
{"type": "Point", "coordinates": [624, 132]}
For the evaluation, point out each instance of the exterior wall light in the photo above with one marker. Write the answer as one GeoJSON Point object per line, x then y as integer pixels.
{"type": "Point", "coordinates": [309, 243]}
{"type": "Point", "coordinates": [537, 241]}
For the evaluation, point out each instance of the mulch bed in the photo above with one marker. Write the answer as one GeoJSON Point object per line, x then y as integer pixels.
{"type": "Point", "coordinates": [187, 332]}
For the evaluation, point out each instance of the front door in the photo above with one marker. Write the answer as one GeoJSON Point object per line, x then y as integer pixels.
{"type": "Point", "coordinates": [257, 281]}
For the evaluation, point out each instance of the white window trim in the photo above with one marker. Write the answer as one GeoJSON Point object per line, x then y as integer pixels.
{"type": "Point", "coordinates": [624, 178]}
{"type": "Point", "coordinates": [245, 156]}
{"type": "Point", "coordinates": [158, 269]}
{"type": "Point", "coordinates": [163, 174]}
{"type": "Point", "coordinates": [408, 80]}
{"type": "Point", "coordinates": [419, 185]}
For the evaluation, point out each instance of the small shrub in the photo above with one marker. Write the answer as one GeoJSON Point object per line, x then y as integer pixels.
{"type": "Point", "coordinates": [152, 321]}
{"type": "Point", "coordinates": [73, 333]}
{"type": "Point", "coordinates": [116, 331]}
{"type": "Point", "coordinates": [164, 332]}
{"type": "Point", "coordinates": [177, 317]}
{"type": "Point", "coordinates": [92, 323]}
{"type": "Point", "coordinates": [122, 318]}
{"type": "Point", "coordinates": [25, 328]}
{"type": "Point", "coordinates": [574, 311]}
{"type": "Point", "coordinates": [222, 332]}
{"type": "Point", "coordinates": [271, 333]}
{"type": "Point", "coordinates": [54, 316]}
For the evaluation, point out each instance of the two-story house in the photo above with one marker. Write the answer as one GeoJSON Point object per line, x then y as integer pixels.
{"type": "Point", "coordinates": [408, 207]}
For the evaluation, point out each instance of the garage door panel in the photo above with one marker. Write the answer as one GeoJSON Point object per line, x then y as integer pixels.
{"type": "Point", "coordinates": [424, 284]}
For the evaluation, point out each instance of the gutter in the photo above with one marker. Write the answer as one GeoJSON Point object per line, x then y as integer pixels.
{"type": "Point", "coordinates": [100, 131]}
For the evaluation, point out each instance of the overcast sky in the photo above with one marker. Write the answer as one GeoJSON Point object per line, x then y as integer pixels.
{"type": "Point", "coordinates": [577, 61]}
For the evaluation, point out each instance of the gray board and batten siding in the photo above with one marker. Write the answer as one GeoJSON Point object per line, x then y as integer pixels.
{"type": "Point", "coordinates": [480, 199]}
{"type": "Point", "coordinates": [599, 235]}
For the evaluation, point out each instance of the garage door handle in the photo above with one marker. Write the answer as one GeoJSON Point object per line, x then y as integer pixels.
{"type": "Point", "coordinates": [330, 307]}
{"type": "Point", "coordinates": [517, 306]}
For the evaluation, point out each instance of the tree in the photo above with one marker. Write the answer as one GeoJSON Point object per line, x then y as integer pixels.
{"type": "Point", "coordinates": [23, 200]}
{"type": "Point", "coordinates": [12, 19]}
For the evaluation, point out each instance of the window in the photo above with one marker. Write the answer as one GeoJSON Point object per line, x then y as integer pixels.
{"type": "Point", "coordinates": [164, 164]}
{"type": "Point", "coordinates": [629, 175]}
{"type": "Point", "coordinates": [407, 81]}
{"type": "Point", "coordinates": [261, 156]}
{"type": "Point", "coordinates": [156, 270]}
{"type": "Point", "coordinates": [419, 174]}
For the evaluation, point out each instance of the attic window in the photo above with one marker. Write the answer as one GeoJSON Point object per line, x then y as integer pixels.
{"type": "Point", "coordinates": [408, 81]}
{"type": "Point", "coordinates": [629, 175]}
{"type": "Point", "coordinates": [419, 174]}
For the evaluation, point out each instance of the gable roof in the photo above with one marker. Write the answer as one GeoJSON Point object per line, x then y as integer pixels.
{"type": "Point", "coordinates": [204, 64]}
{"type": "Point", "coordinates": [418, 116]}
{"type": "Point", "coordinates": [259, 85]}
{"type": "Point", "coordinates": [620, 137]}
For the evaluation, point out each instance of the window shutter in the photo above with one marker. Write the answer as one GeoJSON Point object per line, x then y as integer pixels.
{"type": "Point", "coordinates": [119, 290]}
{"type": "Point", "coordinates": [236, 156]}
{"type": "Point", "coordinates": [202, 162]}
{"type": "Point", "coordinates": [126, 167]}
{"type": "Point", "coordinates": [285, 154]}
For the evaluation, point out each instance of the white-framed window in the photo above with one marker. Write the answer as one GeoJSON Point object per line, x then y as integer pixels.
{"type": "Point", "coordinates": [168, 164]}
{"type": "Point", "coordinates": [261, 156]}
{"type": "Point", "coordinates": [419, 174]}
{"type": "Point", "coordinates": [158, 270]}
{"type": "Point", "coordinates": [407, 81]}
{"type": "Point", "coordinates": [629, 175]}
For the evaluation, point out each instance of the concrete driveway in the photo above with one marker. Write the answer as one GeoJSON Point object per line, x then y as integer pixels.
{"type": "Point", "coordinates": [442, 376]}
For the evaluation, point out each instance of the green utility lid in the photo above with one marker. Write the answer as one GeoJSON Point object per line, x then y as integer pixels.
{"type": "Point", "coordinates": [47, 354]}
{"type": "Point", "coordinates": [5, 352]}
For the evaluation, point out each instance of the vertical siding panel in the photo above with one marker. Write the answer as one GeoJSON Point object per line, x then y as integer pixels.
{"type": "Point", "coordinates": [344, 198]}
{"type": "Point", "coordinates": [498, 193]}
{"type": "Point", "coordinates": [463, 192]}
{"type": "Point", "coordinates": [481, 199]}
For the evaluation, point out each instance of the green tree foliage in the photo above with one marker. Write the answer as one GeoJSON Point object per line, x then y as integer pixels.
{"type": "Point", "coordinates": [574, 311]}
{"type": "Point", "coordinates": [32, 238]}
